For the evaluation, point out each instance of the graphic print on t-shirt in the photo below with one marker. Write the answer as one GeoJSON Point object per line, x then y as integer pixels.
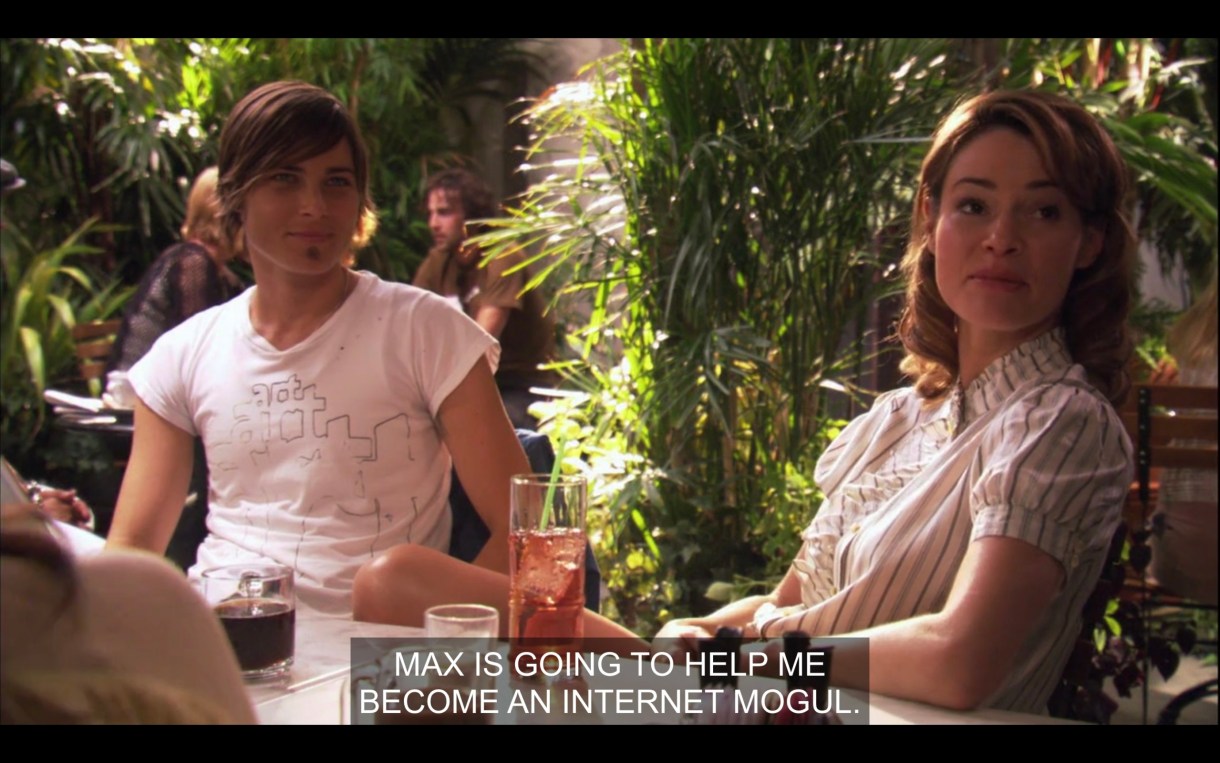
{"type": "Point", "coordinates": [286, 426]}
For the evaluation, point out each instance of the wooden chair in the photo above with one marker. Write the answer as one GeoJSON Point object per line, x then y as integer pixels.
{"type": "Point", "coordinates": [93, 344]}
{"type": "Point", "coordinates": [1171, 427]}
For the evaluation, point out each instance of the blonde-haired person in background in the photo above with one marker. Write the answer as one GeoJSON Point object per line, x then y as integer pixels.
{"type": "Point", "coordinates": [1184, 526]}
{"type": "Point", "coordinates": [188, 277]}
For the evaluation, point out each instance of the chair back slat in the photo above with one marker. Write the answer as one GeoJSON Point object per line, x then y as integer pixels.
{"type": "Point", "coordinates": [1175, 396]}
{"type": "Point", "coordinates": [95, 349]}
{"type": "Point", "coordinates": [1171, 426]}
{"type": "Point", "coordinates": [1183, 457]}
{"type": "Point", "coordinates": [94, 342]}
{"type": "Point", "coordinates": [83, 332]}
{"type": "Point", "coordinates": [1167, 428]}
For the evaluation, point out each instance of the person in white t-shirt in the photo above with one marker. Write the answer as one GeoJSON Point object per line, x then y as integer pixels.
{"type": "Point", "coordinates": [331, 404]}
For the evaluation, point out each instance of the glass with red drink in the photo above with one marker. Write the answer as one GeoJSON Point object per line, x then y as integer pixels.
{"type": "Point", "coordinates": [546, 563]}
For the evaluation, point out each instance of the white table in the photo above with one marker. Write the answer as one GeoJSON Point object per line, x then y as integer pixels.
{"type": "Point", "coordinates": [311, 693]}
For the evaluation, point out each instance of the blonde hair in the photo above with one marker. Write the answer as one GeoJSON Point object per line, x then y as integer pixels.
{"type": "Point", "coordinates": [1192, 340]}
{"type": "Point", "coordinates": [202, 221]}
{"type": "Point", "coordinates": [1083, 161]}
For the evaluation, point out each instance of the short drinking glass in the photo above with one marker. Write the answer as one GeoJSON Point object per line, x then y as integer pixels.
{"type": "Point", "coordinates": [469, 621]}
{"type": "Point", "coordinates": [257, 607]}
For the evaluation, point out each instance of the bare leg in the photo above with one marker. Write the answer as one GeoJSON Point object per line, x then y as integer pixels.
{"type": "Point", "coordinates": [398, 586]}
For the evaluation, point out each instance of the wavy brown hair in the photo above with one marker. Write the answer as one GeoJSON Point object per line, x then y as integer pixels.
{"type": "Point", "coordinates": [276, 125]}
{"type": "Point", "coordinates": [1083, 161]}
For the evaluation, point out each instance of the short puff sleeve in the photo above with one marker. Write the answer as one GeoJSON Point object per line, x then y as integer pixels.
{"type": "Point", "coordinates": [1055, 475]}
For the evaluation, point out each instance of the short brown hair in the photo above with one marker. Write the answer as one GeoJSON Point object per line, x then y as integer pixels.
{"type": "Point", "coordinates": [278, 124]}
{"type": "Point", "coordinates": [1083, 161]}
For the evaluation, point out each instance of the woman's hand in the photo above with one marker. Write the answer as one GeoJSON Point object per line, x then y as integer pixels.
{"type": "Point", "coordinates": [680, 637]}
{"type": "Point", "coordinates": [1166, 372]}
{"type": "Point", "coordinates": [684, 628]}
{"type": "Point", "coordinates": [65, 506]}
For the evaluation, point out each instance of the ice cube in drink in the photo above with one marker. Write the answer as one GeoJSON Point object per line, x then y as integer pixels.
{"type": "Point", "coordinates": [547, 593]}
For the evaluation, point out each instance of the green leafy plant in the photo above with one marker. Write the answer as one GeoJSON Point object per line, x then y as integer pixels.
{"type": "Point", "coordinates": [714, 208]}
{"type": "Point", "coordinates": [593, 419]}
{"type": "Point", "coordinates": [1116, 638]}
{"type": "Point", "coordinates": [109, 129]}
{"type": "Point", "coordinates": [45, 294]}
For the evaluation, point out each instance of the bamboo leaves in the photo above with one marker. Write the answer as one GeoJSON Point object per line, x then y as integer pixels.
{"type": "Point", "coordinates": [46, 294]}
{"type": "Point", "coordinates": [728, 242]}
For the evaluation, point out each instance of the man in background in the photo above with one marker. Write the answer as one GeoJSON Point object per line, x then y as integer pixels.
{"type": "Point", "coordinates": [490, 291]}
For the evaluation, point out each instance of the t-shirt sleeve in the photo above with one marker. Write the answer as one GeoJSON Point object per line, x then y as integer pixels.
{"type": "Point", "coordinates": [1057, 475]}
{"type": "Point", "coordinates": [159, 378]}
{"type": "Point", "coordinates": [449, 344]}
{"type": "Point", "coordinates": [499, 287]}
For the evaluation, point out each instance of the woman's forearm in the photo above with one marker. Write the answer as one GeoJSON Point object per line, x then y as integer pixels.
{"type": "Point", "coordinates": [957, 657]}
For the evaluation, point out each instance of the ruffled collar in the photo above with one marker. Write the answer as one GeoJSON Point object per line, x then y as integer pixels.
{"type": "Point", "coordinates": [1027, 361]}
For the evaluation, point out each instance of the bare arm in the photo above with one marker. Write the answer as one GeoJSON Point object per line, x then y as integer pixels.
{"type": "Point", "coordinates": [492, 319]}
{"type": "Point", "coordinates": [959, 656]}
{"type": "Point", "coordinates": [486, 453]}
{"type": "Point", "coordinates": [155, 484]}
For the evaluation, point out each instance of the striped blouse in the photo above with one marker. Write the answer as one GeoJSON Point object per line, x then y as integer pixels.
{"type": "Point", "coordinates": [1030, 450]}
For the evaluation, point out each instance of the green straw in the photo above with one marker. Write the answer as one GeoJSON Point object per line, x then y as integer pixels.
{"type": "Point", "coordinates": [550, 488]}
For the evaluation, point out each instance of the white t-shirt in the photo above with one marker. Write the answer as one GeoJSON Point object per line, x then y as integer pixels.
{"type": "Point", "coordinates": [326, 454]}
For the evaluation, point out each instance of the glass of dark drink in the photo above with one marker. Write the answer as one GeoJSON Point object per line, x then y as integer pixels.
{"type": "Point", "coordinates": [257, 607]}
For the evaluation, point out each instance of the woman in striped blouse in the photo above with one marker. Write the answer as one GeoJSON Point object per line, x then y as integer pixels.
{"type": "Point", "coordinates": [967, 517]}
